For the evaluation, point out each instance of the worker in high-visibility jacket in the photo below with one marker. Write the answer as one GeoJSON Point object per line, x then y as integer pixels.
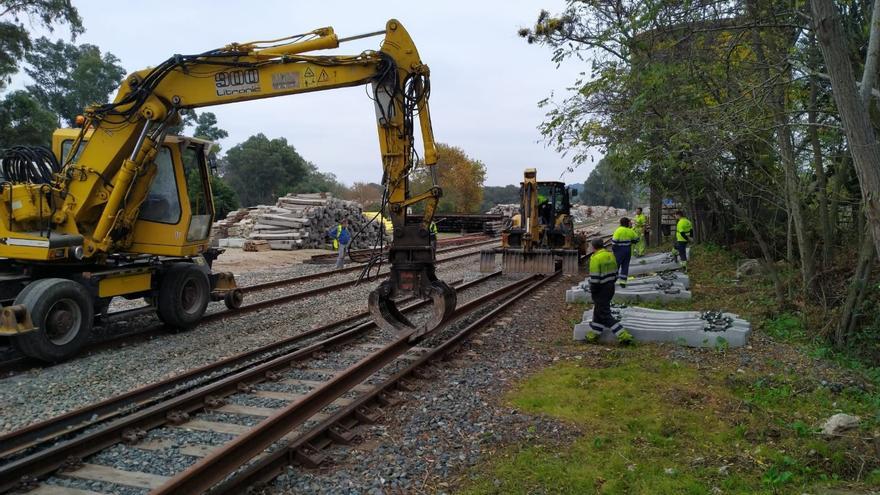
{"type": "Point", "coordinates": [603, 273]}
{"type": "Point", "coordinates": [640, 225]}
{"type": "Point", "coordinates": [684, 232]}
{"type": "Point", "coordinates": [622, 243]}
{"type": "Point", "coordinates": [341, 237]}
{"type": "Point", "coordinates": [432, 235]}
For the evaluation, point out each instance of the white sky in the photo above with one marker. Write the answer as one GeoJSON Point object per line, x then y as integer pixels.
{"type": "Point", "coordinates": [485, 80]}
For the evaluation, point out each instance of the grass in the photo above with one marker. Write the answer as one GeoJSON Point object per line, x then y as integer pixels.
{"type": "Point", "coordinates": [650, 425]}
{"type": "Point", "coordinates": [653, 426]}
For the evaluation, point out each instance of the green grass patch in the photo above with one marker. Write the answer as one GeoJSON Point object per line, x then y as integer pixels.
{"type": "Point", "coordinates": [653, 426]}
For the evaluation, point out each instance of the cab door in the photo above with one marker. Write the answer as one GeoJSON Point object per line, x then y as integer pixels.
{"type": "Point", "coordinates": [175, 217]}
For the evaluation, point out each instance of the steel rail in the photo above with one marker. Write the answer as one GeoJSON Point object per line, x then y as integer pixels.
{"type": "Point", "coordinates": [217, 465]}
{"type": "Point", "coordinates": [337, 428]}
{"type": "Point", "coordinates": [50, 459]}
{"type": "Point", "coordinates": [79, 419]}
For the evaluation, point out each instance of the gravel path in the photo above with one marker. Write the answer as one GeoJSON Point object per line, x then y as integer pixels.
{"type": "Point", "coordinates": [446, 425]}
{"type": "Point", "coordinates": [42, 393]}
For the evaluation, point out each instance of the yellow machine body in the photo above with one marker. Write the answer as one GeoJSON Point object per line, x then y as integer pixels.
{"type": "Point", "coordinates": [126, 191]}
{"type": "Point", "coordinates": [541, 234]}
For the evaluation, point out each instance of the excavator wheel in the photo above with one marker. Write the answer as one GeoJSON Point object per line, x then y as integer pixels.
{"type": "Point", "coordinates": [62, 311]}
{"type": "Point", "coordinates": [184, 293]}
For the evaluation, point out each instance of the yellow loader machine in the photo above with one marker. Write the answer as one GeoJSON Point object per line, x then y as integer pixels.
{"type": "Point", "coordinates": [541, 234]}
{"type": "Point", "coordinates": [119, 207]}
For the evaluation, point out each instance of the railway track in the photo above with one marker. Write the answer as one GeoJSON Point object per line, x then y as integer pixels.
{"type": "Point", "coordinates": [294, 404]}
{"type": "Point", "coordinates": [17, 362]}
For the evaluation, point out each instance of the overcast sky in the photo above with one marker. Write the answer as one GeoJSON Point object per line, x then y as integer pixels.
{"type": "Point", "coordinates": [485, 80]}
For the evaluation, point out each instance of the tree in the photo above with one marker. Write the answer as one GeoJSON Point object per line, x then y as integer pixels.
{"type": "Point", "coordinates": [261, 169]}
{"type": "Point", "coordinates": [68, 78]}
{"type": "Point", "coordinates": [206, 127]}
{"type": "Point", "coordinates": [369, 195]}
{"type": "Point", "coordinates": [460, 176]}
{"type": "Point", "coordinates": [603, 188]}
{"type": "Point", "coordinates": [24, 121]}
{"type": "Point", "coordinates": [225, 199]}
{"type": "Point", "coordinates": [15, 41]}
{"type": "Point", "coordinates": [498, 195]}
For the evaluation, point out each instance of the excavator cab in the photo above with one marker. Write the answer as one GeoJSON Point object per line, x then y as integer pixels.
{"type": "Point", "coordinates": [541, 234]}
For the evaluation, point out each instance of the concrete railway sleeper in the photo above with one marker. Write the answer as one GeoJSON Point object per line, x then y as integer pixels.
{"type": "Point", "coordinates": [204, 398]}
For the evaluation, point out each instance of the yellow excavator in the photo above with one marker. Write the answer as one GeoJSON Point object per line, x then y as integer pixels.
{"type": "Point", "coordinates": [119, 207]}
{"type": "Point", "coordinates": [541, 234]}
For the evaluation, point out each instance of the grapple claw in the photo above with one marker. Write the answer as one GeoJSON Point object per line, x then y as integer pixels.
{"type": "Point", "coordinates": [386, 314]}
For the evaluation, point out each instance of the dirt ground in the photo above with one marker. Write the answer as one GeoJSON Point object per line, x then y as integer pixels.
{"type": "Point", "coordinates": [239, 261]}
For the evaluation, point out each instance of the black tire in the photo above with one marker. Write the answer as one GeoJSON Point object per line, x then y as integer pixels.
{"type": "Point", "coordinates": [184, 293]}
{"type": "Point", "coordinates": [63, 312]}
{"type": "Point", "coordinates": [233, 299]}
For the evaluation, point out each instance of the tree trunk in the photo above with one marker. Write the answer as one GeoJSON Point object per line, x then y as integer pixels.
{"type": "Point", "coordinates": [853, 109]}
{"type": "Point", "coordinates": [776, 102]}
{"type": "Point", "coordinates": [846, 325]}
{"type": "Point", "coordinates": [819, 167]}
{"type": "Point", "coordinates": [656, 215]}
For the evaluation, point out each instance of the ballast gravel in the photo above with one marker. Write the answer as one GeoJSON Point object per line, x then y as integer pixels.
{"type": "Point", "coordinates": [452, 420]}
{"type": "Point", "coordinates": [42, 393]}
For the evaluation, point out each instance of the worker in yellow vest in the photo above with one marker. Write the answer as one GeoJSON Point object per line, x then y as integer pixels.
{"type": "Point", "coordinates": [622, 243]}
{"type": "Point", "coordinates": [603, 273]}
{"type": "Point", "coordinates": [341, 237]}
{"type": "Point", "coordinates": [683, 234]}
{"type": "Point", "coordinates": [640, 225]}
{"type": "Point", "coordinates": [432, 234]}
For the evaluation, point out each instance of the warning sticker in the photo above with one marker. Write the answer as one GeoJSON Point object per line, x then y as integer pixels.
{"type": "Point", "coordinates": [323, 77]}
{"type": "Point", "coordinates": [285, 80]}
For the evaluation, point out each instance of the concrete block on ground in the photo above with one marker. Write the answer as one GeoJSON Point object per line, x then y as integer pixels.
{"type": "Point", "coordinates": [654, 263]}
{"type": "Point", "coordinates": [691, 328]}
{"type": "Point", "coordinates": [232, 242]}
{"type": "Point", "coordinates": [670, 286]}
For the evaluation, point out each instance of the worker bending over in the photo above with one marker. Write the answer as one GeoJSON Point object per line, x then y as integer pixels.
{"type": "Point", "coordinates": [341, 237]}
{"type": "Point", "coordinates": [603, 272]}
{"type": "Point", "coordinates": [683, 234]}
{"type": "Point", "coordinates": [640, 225]}
{"type": "Point", "coordinates": [622, 243]}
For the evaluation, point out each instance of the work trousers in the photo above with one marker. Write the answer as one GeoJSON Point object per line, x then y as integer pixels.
{"type": "Point", "coordinates": [340, 260]}
{"type": "Point", "coordinates": [623, 255]}
{"type": "Point", "coordinates": [602, 317]}
{"type": "Point", "coordinates": [640, 246]}
{"type": "Point", "coordinates": [681, 247]}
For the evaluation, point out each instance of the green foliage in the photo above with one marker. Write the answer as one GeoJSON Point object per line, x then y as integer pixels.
{"type": "Point", "coordinates": [603, 188]}
{"type": "Point", "coordinates": [261, 169]}
{"type": "Point", "coordinates": [225, 199]}
{"type": "Point", "coordinates": [24, 121]}
{"type": "Point", "coordinates": [786, 327]}
{"type": "Point", "coordinates": [496, 195]}
{"type": "Point", "coordinates": [68, 78]}
{"type": "Point", "coordinates": [658, 427]}
{"type": "Point", "coordinates": [15, 18]}
{"type": "Point", "coordinates": [206, 127]}
{"type": "Point", "coordinates": [460, 176]}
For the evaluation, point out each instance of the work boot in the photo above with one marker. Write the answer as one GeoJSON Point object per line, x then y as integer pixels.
{"type": "Point", "coordinates": [624, 337]}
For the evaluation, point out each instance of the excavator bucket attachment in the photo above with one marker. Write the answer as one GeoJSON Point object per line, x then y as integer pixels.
{"type": "Point", "coordinates": [536, 261]}
{"type": "Point", "coordinates": [570, 262]}
{"type": "Point", "coordinates": [487, 261]}
{"type": "Point", "coordinates": [412, 273]}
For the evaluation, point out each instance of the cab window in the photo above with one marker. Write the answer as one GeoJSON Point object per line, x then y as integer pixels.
{"type": "Point", "coordinates": [199, 202]}
{"type": "Point", "coordinates": [162, 204]}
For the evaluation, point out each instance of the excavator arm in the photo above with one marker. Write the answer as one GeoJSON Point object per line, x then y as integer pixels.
{"type": "Point", "coordinates": [104, 180]}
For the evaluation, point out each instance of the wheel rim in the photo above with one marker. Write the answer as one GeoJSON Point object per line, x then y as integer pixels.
{"type": "Point", "coordinates": [190, 297]}
{"type": "Point", "coordinates": [63, 321]}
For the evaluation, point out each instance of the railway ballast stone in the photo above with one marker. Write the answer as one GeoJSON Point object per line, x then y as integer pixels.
{"type": "Point", "coordinates": [665, 287]}
{"type": "Point", "coordinates": [690, 328]}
